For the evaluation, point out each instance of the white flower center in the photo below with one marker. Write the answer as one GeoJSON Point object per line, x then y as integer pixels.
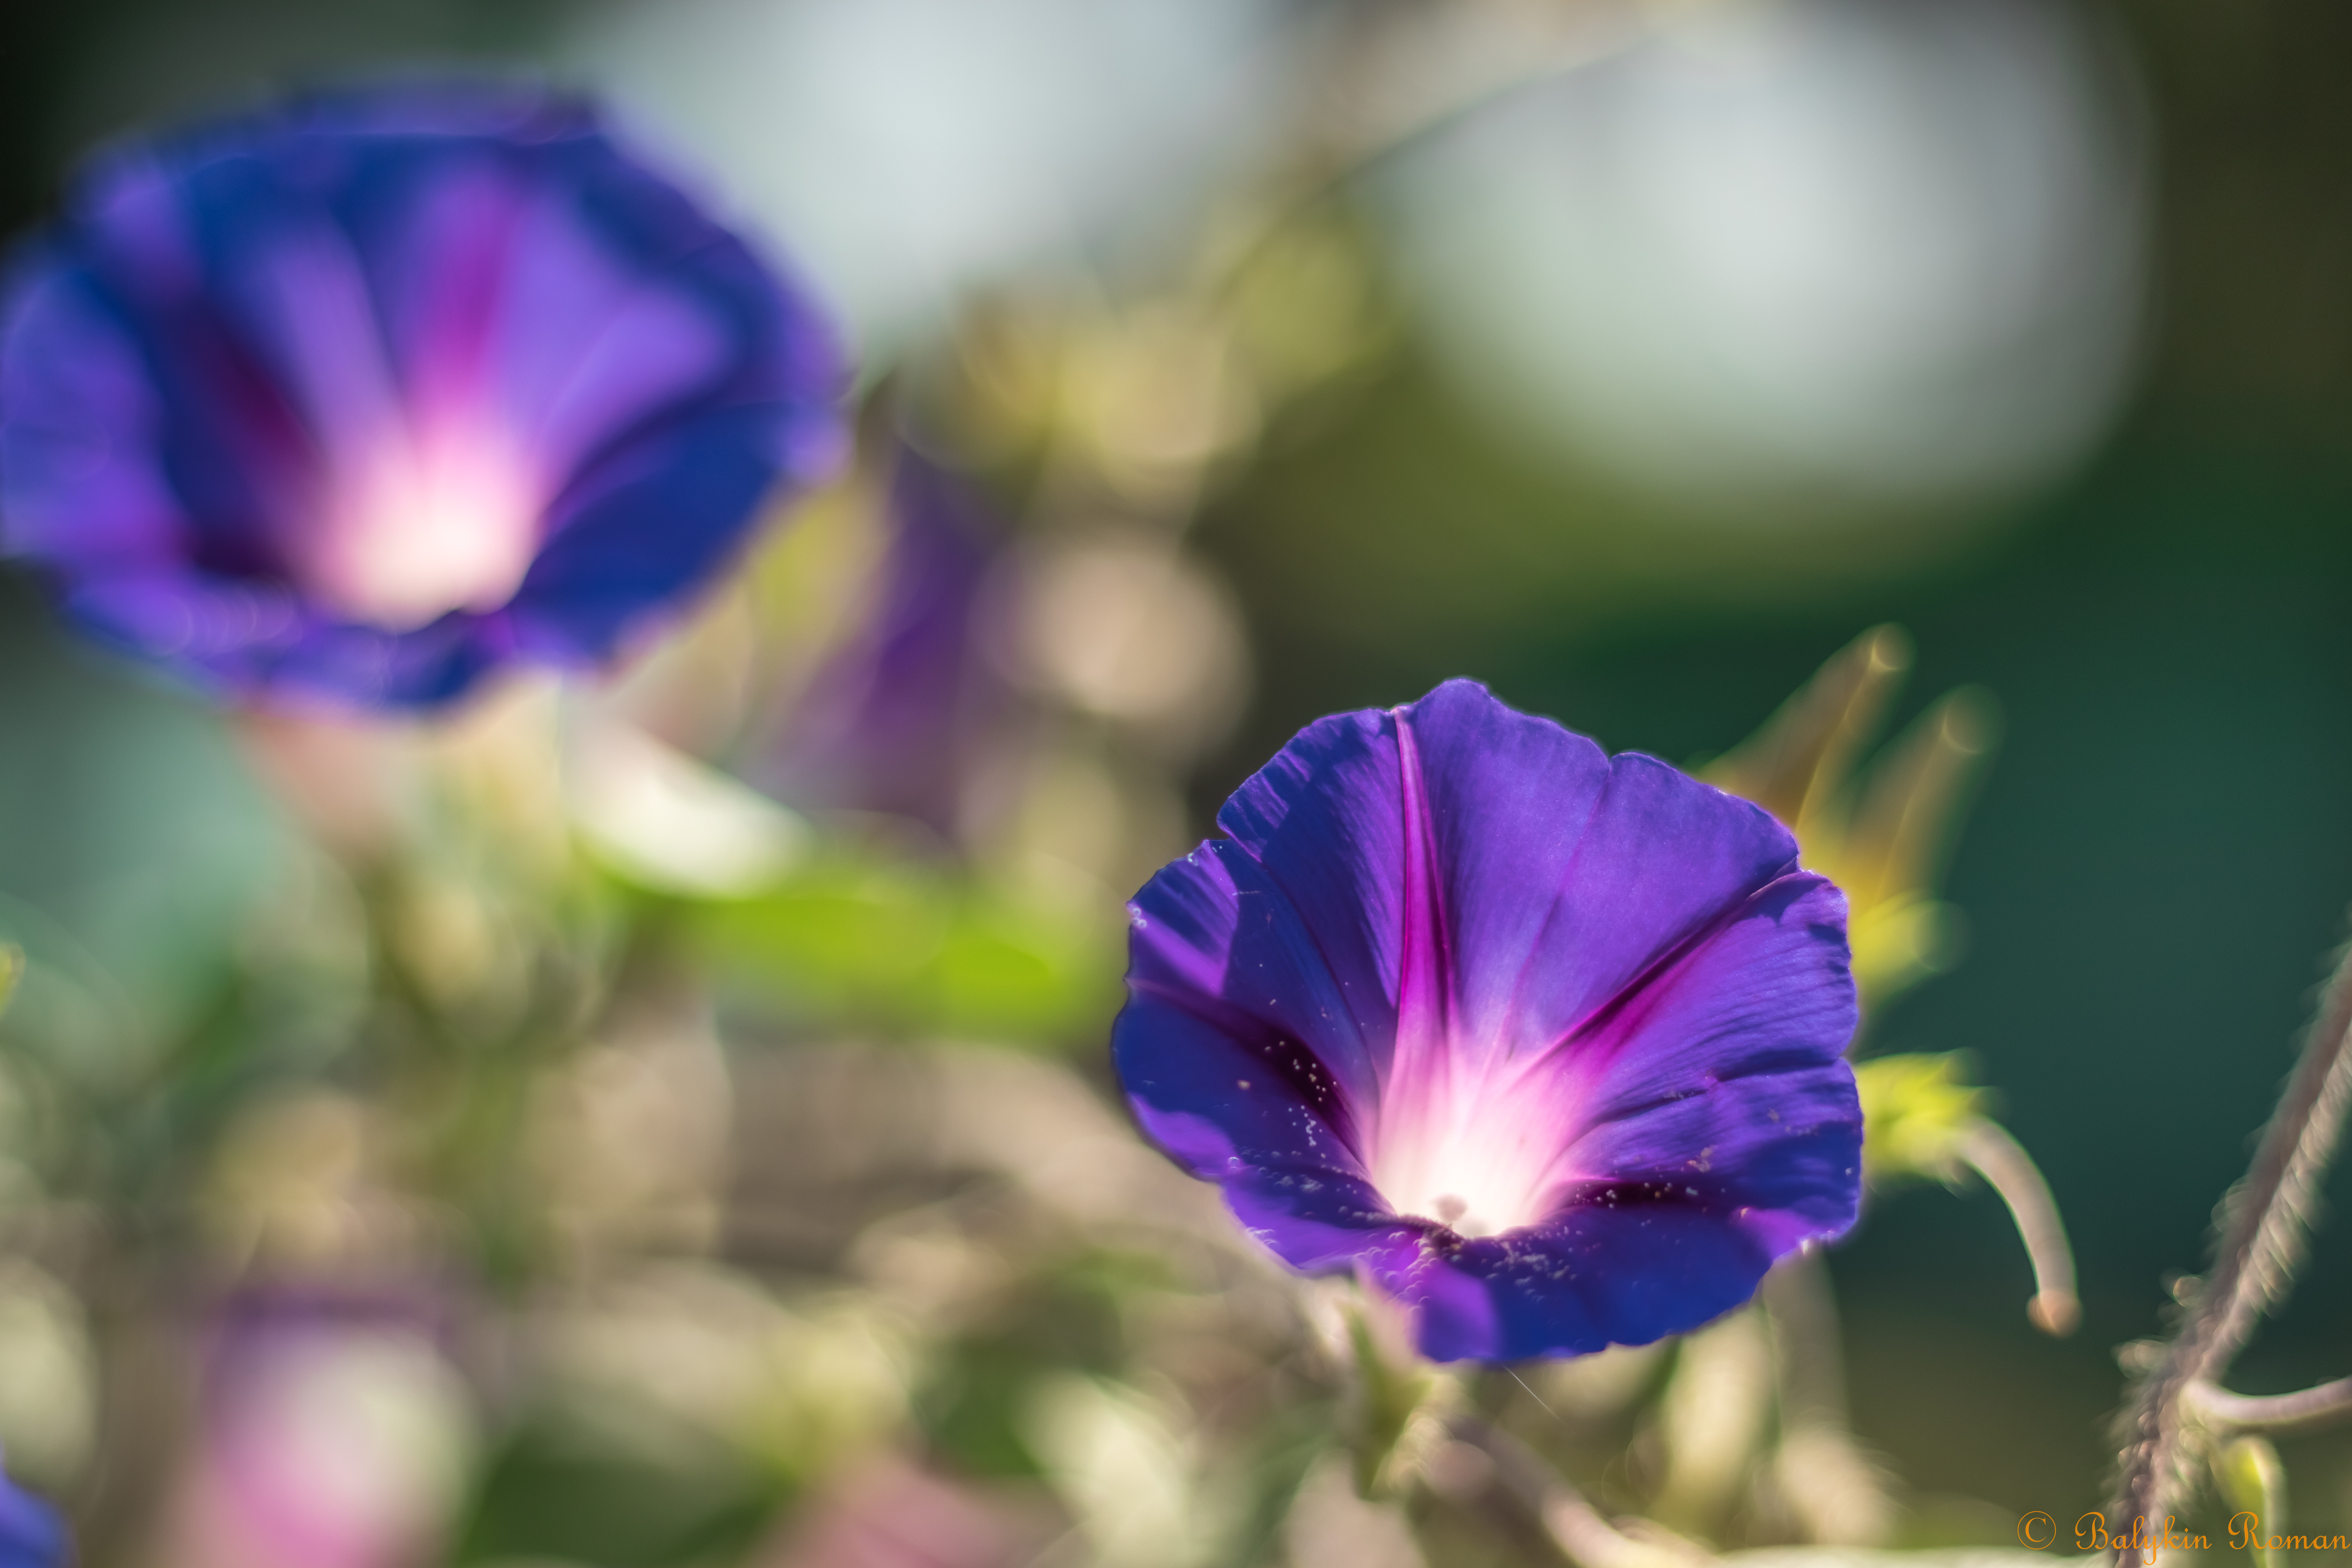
{"type": "Point", "coordinates": [423, 525]}
{"type": "Point", "coordinates": [1482, 1156]}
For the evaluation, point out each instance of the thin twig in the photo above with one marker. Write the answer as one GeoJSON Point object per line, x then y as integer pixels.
{"type": "Point", "coordinates": [1560, 1512]}
{"type": "Point", "coordinates": [2262, 1242]}
{"type": "Point", "coordinates": [1835, 1495]}
{"type": "Point", "coordinates": [1338, 156]}
{"type": "Point", "coordinates": [2305, 1410]}
{"type": "Point", "coordinates": [1988, 1149]}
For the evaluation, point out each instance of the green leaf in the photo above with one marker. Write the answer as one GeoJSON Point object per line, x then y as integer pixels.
{"type": "Point", "coordinates": [901, 948]}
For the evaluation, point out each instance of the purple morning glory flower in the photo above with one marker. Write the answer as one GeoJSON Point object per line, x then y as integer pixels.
{"type": "Point", "coordinates": [365, 396]}
{"type": "Point", "coordinates": [893, 721]}
{"type": "Point", "coordinates": [30, 1534]}
{"type": "Point", "coordinates": [1543, 1044]}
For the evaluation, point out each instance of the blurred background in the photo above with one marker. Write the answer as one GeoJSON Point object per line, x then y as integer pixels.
{"type": "Point", "coordinates": [1226, 363]}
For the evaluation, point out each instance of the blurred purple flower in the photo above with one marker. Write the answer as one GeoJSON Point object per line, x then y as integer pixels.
{"type": "Point", "coordinates": [365, 396]}
{"type": "Point", "coordinates": [334, 1434]}
{"type": "Point", "coordinates": [891, 722]}
{"type": "Point", "coordinates": [1544, 1044]}
{"type": "Point", "coordinates": [30, 1535]}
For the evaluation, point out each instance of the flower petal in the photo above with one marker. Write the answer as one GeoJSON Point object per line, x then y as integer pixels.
{"type": "Point", "coordinates": [1625, 1272]}
{"type": "Point", "coordinates": [1457, 969]}
{"type": "Point", "coordinates": [1568, 873]}
{"type": "Point", "coordinates": [1319, 851]}
{"type": "Point", "coordinates": [427, 379]}
{"type": "Point", "coordinates": [1728, 1061]}
{"type": "Point", "coordinates": [31, 1535]}
{"type": "Point", "coordinates": [1506, 799]}
{"type": "Point", "coordinates": [1213, 937]}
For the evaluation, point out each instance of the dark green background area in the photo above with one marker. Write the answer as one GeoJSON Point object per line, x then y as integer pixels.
{"type": "Point", "coordinates": [2162, 852]}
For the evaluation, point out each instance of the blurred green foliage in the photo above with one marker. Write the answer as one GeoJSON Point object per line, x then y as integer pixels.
{"type": "Point", "coordinates": [912, 948]}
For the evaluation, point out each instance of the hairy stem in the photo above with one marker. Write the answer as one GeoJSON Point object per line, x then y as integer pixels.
{"type": "Point", "coordinates": [2262, 1222]}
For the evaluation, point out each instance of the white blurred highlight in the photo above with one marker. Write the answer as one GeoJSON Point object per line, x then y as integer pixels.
{"type": "Point", "coordinates": [1834, 251]}
{"type": "Point", "coordinates": [667, 822]}
{"type": "Point", "coordinates": [1127, 628]}
{"type": "Point", "coordinates": [890, 1513]}
{"type": "Point", "coordinates": [629, 1137]}
{"type": "Point", "coordinates": [1126, 1469]}
{"type": "Point", "coordinates": [1328, 1526]}
{"type": "Point", "coordinates": [49, 1376]}
{"type": "Point", "coordinates": [691, 1349]}
{"type": "Point", "coordinates": [906, 150]}
{"type": "Point", "coordinates": [446, 518]}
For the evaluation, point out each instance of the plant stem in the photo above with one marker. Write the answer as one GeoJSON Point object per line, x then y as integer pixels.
{"type": "Point", "coordinates": [1570, 1523]}
{"type": "Point", "coordinates": [1988, 1149]}
{"type": "Point", "coordinates": [2260, 1245]}
{"type": "Point", "coordinates": [2305, 1410]}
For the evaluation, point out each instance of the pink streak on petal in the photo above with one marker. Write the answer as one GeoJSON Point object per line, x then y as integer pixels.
{"type": "Point", "coordinates": [1424, 1061]}
{"type": "Point", "coordinates": [530, 346]}
{"type": "Point", "coordinates": [1465, 1137]}
{"type": "Point", "coordinates": [422, 503]}
{"type": "Point", "coordinates": [458, 256]}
